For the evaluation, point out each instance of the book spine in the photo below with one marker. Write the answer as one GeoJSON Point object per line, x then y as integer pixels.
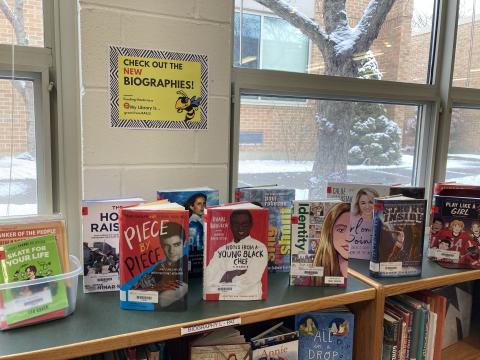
{"type": "Point", "coordinates": [377, 229]}
{"type": "Point", "coordinates": [206, 241]}
{"type": "Point", "coordinates": [422, 353]}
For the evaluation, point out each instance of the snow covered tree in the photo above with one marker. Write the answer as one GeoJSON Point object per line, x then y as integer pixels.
{"type": "Point", "coordinates": [339, 44]}
{"type": "Point", "coordinates": [374, 138]}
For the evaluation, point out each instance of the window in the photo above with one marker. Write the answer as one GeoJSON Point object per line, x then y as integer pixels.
{"type": "Point", "coordinates": [22, 25]}
{"type": "Point", "coordinates": [380, 143]}
{"type": "Point", "coordinates": [400, 50]}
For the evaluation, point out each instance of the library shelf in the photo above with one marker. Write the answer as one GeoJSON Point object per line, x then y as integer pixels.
{"type": "Point", "coordinates": [99, 325]}
{"type": "Point", "coordinates": [433, 276]}
{"type": "Point", "coordinates": [466, 349]}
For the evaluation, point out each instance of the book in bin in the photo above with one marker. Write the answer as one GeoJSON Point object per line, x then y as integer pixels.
{"type": "Point", "coordinates": [31, 259]}
{"type": "Point", "coordinates": [455, 231]}
{"type": "Point", "coordinates": [153, 257]}
{"type": "Point", "coordinates": [279, 204]}
{"type": "Point", "coordinates": [326, 334]}
{"type": "Point", "coordinates": [398, 232]}
{"type": "Point", "coordinates": [235, 266]}
{"type": "Point", "coordinates": [320, 234]}
{"type": "Point", "coordinates": [100, 243]}
{"type": "Point", "coordinates": [194, 200]}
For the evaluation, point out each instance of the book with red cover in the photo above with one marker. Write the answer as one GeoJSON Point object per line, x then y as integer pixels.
{"type": "Point", "coordinates": [153, 257]}
{"type": "Point", "coordinates": [456, 189]}
{"type": "Point", "coordinates": [236, 255]}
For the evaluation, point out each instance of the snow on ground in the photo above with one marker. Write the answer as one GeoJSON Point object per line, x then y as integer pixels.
{"type": "Point", "coordinates": [15, 189]}
{"type": "Point", "coordinates": [15, 209]}
{"type": "Point", "coordinates": [22, 169]}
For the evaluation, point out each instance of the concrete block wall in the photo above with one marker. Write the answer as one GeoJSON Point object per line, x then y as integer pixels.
{"type": "Point", "coordinates": [125, 162]}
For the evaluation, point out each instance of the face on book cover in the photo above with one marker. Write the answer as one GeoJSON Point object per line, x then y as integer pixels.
{"type": "Point", "coordinates": [173, 248]}
{"type": "Point", "coordinates": [198, 206]}
{"type": "Point", "coordinates": [341, 234]}
{"type": "Point", "coordinates": [241, 225]}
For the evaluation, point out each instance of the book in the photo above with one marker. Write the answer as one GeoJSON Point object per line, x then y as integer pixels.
{"type": "Point", "coordinates": [455, 231]}
{"type": "Point", "coordinates": [360, 196]}
{"type": "Point", "coordinates": [456, 189]}
{"type": "Point", "coordinates": [391, 331]}
{"type": "Point", "coordinates": [326, 334]}
{"type": "Point", "coordinates": [194, 200]}
{"type": "Point", "coordinates": [320, 234]}
{"type": "Point", "coordinates": [235, 266]}
{"type": "Point", "coordinates": [398, 233]}
{"type": "Point", "coordinates": [26, 227]}
{"type": "Point", "coordinates": [153, 256]}
{"type": "Point", "coordinates": [100, 243]}
{"type": "Point", "coordinates": [226, 343]}
{"type": "Point", "coordinates": [279, 204]}
{"type": "Point", "coordinates": [31, 259]}
{"type": "Point", "coordinates": [277, 342]}
{"type": "Point", "coordinates": [407, 314]}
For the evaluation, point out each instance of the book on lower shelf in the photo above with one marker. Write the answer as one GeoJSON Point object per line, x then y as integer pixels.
{"type": "Point", "coordinates": [398, 233]}
{"type": "Point", "coordinates": [326, 334]}
{"type": "Point", "coordinates": [31, 259]}
{"type": "Point", "coordinates": [227, 343]}
{"type": "Point", "coordinates": [235, 252]}
{"type": "Point", "coordinates": [153, 257]}
{"type": "Point", "coordinates": [320, 243]}
{"type": "Point", "coordinates": [100, 243]}
{"type": "Point", "coordinates": [277, 342]}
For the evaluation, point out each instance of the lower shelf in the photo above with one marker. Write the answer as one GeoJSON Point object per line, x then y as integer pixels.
{"type": "Point", "coordinates": [467, 349]}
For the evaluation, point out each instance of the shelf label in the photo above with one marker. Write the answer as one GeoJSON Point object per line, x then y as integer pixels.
{"type": "Point", "coordinates": [209, 326]}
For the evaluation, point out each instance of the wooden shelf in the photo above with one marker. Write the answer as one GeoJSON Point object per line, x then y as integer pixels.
{"type": "Point", "coordinates": [433, 275]}
{"type": "Point", "coordinates": [467, 349]}
{"type": "Point", "coordinates": [99, 325]}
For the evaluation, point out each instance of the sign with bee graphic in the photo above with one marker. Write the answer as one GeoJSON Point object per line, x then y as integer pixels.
{"type": "Point", "coordinates": [154, 89]}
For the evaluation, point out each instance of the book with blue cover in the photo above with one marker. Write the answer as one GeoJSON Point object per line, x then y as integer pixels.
{"type": "Point", "coordinates": [326, 334]}
{"type": "Point", "coordinates": [194, 200]}
{"type": "Point", "coordinates": [279, 204]}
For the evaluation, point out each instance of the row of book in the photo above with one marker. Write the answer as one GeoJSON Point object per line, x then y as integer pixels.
{"type": "Point", "coordinates": [326, 334]}
{"type": "Point", "coordinates": [31, 251]}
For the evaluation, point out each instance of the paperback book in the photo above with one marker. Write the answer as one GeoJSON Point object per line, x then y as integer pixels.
{"type": "Point", "coordinates": [325, 334]}
{"type": "Point", "coordinates": [100, 243]}
{"type": "Point", "coordinates": [455, 231]}
{"type": "Point", "coordinates": [399, 226]}
{"type": "Point", "coordinates": [225, 343]}
{"type": "Point", "coordinates": [235, 252]}
{"type": "Point", "coordinates": [276, 343]}
{"type": "Point", "coordinates": [279, 204]}
{"type": "Point", "coordinates": [153, 257]}
{"type": "Point", "coordinates": [320, 243]}
{"type": "Point", "coordinates": [194, 200]}
{"type": "Point", "coordinates": [31, 259]}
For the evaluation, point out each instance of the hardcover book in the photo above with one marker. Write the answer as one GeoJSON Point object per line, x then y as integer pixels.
{"type": "Point", "coordinates": [320, 234]}
{"type": "Point", "coordinates": [276, 343]}
{"type": "Point", "coordinates": [360, 196]}
{"type": "Point", "coordinates": [325, 334]}
{"type": "Point", "coordinates": [279, 205]}
{"type": "Point", "coordinates": [235, 252]}
{"type": "Point", "coordinates": [100, 243]}
{"type": "Point", "coordinates": [194, 200]}
{"type": "Point", "coordinates": [31, 259]}
{"type": "Point", "coordinates": [153, 257]}
{"type": "Point", "coordinates": [455, 232]}
{"type": "Point", "coordinates": [398, 232]}
{"type": "Point", "coordinates": [225, 343]}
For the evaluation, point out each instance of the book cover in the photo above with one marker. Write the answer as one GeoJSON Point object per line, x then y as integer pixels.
{"type": "Point", "coordinates": [456, 189]}
{"type": "Point", "coordinates": [31, 259]}
{"type": "Point", "coordinates": [153, 257]}
{"type": "Point", "coordinates": [17, 229]}
{"type": "Point", "coordinates": [360, 197]}
{"type": "Point", "coordinates": [195, 201]}
{"type": "Point", "coordinates": [279, 205]}
{"type": "Point", "coordinates": [216, 352]}
{"type": "Point", "coordinates": [320, 234]}
{"type": "Point", "coordinates": [100, 243]}
{"type": "Point", "coordinates": [236, 253]}
{"type": "Point", "coordinates": [275, 343]}
{"type": "Point", "coordinates": [455, 232]}
{"type": "Point", "coordinates": [325, 335]}
{"type": "Point", "coordinates": [399, 226]}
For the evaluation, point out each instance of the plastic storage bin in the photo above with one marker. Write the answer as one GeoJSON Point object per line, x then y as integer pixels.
{"type": "Point", "coordinates": [33, 301]}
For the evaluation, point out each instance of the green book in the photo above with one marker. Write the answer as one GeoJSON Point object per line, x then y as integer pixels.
{"type": "Point", "coordinates": [31, 259]}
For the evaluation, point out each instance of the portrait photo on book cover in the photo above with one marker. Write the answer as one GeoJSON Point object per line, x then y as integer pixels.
{"type": "Point", "coordinates": [404, 244]}
{"type": "Point", "coordinates": [238, 266]}
{"type": "Point", "coordinates": [168, 277]}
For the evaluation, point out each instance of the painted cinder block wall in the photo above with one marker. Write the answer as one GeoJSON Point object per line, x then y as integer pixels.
{"type": "Point", "coordinates": [123, 162]}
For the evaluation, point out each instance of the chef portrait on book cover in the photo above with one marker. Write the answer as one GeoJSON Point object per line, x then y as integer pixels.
{"type": "Point", "coordinates": [237, 269]}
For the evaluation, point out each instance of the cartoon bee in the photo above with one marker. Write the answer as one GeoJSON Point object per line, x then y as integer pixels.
{"type": "Point", "coordinates": [190, 105]}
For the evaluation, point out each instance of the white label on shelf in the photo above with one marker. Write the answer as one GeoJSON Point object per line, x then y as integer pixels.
{"type": "Point", "coordinates": [447, 254]}
{"type": "Point", "coordinates": [143, 296]}
{"type": "Point", "coordinates": [374, 266]}
{"type": "Point", "coordinates": [209, 326]}
{"type": "Point", "coordinates": [334, 280]}
{"type": "Point", "coordinates": [391, 267]}
{"type": "Point", "coordinates": [28, 298]}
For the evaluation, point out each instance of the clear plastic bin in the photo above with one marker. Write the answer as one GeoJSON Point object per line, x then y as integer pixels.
{"type": "Point", "coordinates": [33, 301]}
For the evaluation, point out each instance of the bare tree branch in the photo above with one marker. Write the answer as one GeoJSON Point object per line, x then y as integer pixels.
{"type": "Point", "coordinates": [334, 15]}
{"type": "Point", "coordinates": [369, 25]}
{"type": "Point", "coordinates": [306, 25]}
{"type": "Point", "coordinates": [16, 20]}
